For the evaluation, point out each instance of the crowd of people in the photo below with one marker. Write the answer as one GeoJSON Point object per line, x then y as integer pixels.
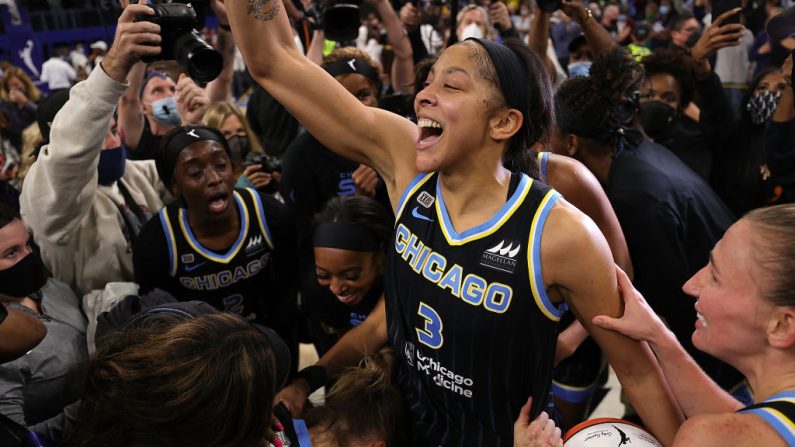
{"type": "Point", "coordinates": [469, 209]}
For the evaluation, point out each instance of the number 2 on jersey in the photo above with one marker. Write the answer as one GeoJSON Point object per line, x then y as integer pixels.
{"type": "Point", "coordinates": [431, 333]}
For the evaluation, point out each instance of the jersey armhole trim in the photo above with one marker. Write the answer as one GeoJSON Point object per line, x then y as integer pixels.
{"type": "Point", "coordinates": [543, 159]}
{"type": "Point", "coordinates": [412, 187]}
{"type": "Point", "coordinates": [540, 296]}
{"type": "Point", "coordinates": [168, 231]}
{"type": "Point", "coordinates": [777, 421]}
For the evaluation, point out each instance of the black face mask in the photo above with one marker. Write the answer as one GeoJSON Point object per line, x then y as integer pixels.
{"type": "Point", "coordinates": [691, 41]}
{"type": "Point", "coordinates": [23, 278]}
{"type": "Point", "coordinates": [239, 147]}
{"type": "Point", "coordinates": [655, 117]}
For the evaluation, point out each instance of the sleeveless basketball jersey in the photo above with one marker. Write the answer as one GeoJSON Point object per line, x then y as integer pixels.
{"type": "Point", "coordinates": [468, 315]}
{"type": "Point", "coordinates": [234, 281]}
{"type": "Point", "coordinates": [779, 413]}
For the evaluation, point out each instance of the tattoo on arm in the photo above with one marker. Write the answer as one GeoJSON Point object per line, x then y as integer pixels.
{"type": "Point", "coordinates": [263, 10]}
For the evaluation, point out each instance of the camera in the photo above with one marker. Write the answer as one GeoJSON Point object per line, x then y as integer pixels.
{"type": "Point", "coordinates": [181, 41]}
{"type": "Point", "coordinates": [268, 165]}
{"type": "Point", "coordinates": [339, 21]}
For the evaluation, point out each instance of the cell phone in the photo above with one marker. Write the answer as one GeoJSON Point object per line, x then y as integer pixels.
{"type": "Point", "coordinates": [721, 6]}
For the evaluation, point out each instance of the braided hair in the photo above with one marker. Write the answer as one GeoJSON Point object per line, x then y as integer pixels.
{"type": "Point", "coordinates": [602, 105]}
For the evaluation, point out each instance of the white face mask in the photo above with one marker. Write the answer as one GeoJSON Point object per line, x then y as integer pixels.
{"type": "Point", "coordinates": [471, 30]}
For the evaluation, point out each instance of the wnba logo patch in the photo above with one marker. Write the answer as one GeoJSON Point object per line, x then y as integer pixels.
{"type": "Point", "coordinates": [425, 199]}
{"type": "Point", "coordinates": [502, 256]}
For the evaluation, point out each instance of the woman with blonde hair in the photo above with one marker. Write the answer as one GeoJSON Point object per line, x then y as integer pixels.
{"type": "Point", "coordinates": [745, 315]}
{"type": "Point", "coordinates": [232, 123]}
{"type": "Point", "coordinates": [18, 102]}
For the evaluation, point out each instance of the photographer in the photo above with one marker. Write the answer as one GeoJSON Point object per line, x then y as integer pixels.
{"type": "Point", "coordinates": [81, 199]}
{"type": "Point", "coordinates": [252, 167]}
{"type": "Point", "coordinates": [155, 102]}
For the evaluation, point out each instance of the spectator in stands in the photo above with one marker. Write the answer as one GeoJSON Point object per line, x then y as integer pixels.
{"type": "Point", "coordinates": [749, 168]}
{"type": "Point", "coordinates": [97, 53]}
{"type": "Point", "coordinates": [79, 61]}
{"type": "Point", "coordinates": [56, 72]}
{"type": "Point", "coordinates": [37, 389]}
{"type": "Point", "coordinates": [685, 30]}
{"type": "Point", "coordinates": [18, 101]}
{"type": "Point", "coordinates": [152, 105]}
{"type": "Point", "coordinates": [666, 110]}
{"type": "Point", "coordinates": [243, 145]}
{"type": "Point", "coordinates": [83, 202]}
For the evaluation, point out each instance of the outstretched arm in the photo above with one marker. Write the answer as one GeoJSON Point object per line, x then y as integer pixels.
{"type": "Point", "coordinates": [696, 393]}
{"type": "Point", "coordinates": [588, 284]}
{"type": "Point", "coordinates": [364, 339]}
{"type": "Point", "coordinates": [403, 66]}
{"type": "Point", "coordinates": [331, 114]}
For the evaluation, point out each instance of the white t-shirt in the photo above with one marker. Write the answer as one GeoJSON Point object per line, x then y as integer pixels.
{"type": "Point", "coordinates": [57, 73]}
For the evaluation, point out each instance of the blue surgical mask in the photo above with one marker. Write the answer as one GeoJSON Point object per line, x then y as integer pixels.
{"type": "Point", "coordinates": [581, 68]}
{"type": "Point", "coordinates": [663, 10]}
{"type": "Point", "coordinates": [111, 165]}
{"type": "Point", "coordinates": [165, 112]}
{"type": "Point", "coordinates": [471, 30]}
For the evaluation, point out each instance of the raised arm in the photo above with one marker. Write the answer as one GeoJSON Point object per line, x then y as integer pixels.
{"type": "Point", "coordinates": [696, 393]}
{"type": "Point", "coordinates": [61, 186]}
{"type": "Point", "coordinates": [588, 284]}
{"type": "Point", "coordinates": [131, 112]}
{"type": "Point", "coordinates": [403, 66]}
{"type": "Point", "coordinates": [596, 35]}
{"type": "Point", "coordinates": [330, 113]}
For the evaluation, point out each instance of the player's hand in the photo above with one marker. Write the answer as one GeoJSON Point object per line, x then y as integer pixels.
{"type": "Point", "coordinates": [639, 321]}
{"type": "Point", "coordinates": [192, 101]}
{"type": "Point", "coordinates": [133, 41]}
{"type": "Point", "coordinates": [539, 433]}
{"type": "Point", "coordinates": [293, 396]}
{"type": "Point", "coordinates": [366, 179]}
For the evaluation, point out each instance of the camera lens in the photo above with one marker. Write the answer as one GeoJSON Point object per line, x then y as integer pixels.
{"type": "Point", "coordinates": [202, 62]}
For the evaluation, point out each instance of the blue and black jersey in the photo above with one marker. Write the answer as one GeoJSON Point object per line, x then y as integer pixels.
{"type": "Point", "coordinates": [243, 279]}
{"type": "Point", "coordinates": [468, 314]}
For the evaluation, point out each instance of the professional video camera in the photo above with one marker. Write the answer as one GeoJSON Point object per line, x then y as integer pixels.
{"type": "Point", "coordinates": [338, 19]}
{"type": "Point", "coordinates": [181, 41]}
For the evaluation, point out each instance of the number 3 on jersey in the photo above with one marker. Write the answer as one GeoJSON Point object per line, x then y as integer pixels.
{"type": "Point", "coordinates": [431, 333]}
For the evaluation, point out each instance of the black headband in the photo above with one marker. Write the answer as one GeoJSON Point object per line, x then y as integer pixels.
{"type": "Point", "coordinates": [511, 74]}
{"type": "Point", "coordinates": [345, 236]}
{"type": "Point", "coordinates": [352, 65]}
{"type": "Point", "coordinates": [177, 140]}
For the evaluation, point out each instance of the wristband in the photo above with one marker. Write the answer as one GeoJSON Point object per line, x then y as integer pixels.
{"type": "Point", "coordinates": [314, 375]}
{"type": "Point", "coordinates": [225, 27]}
